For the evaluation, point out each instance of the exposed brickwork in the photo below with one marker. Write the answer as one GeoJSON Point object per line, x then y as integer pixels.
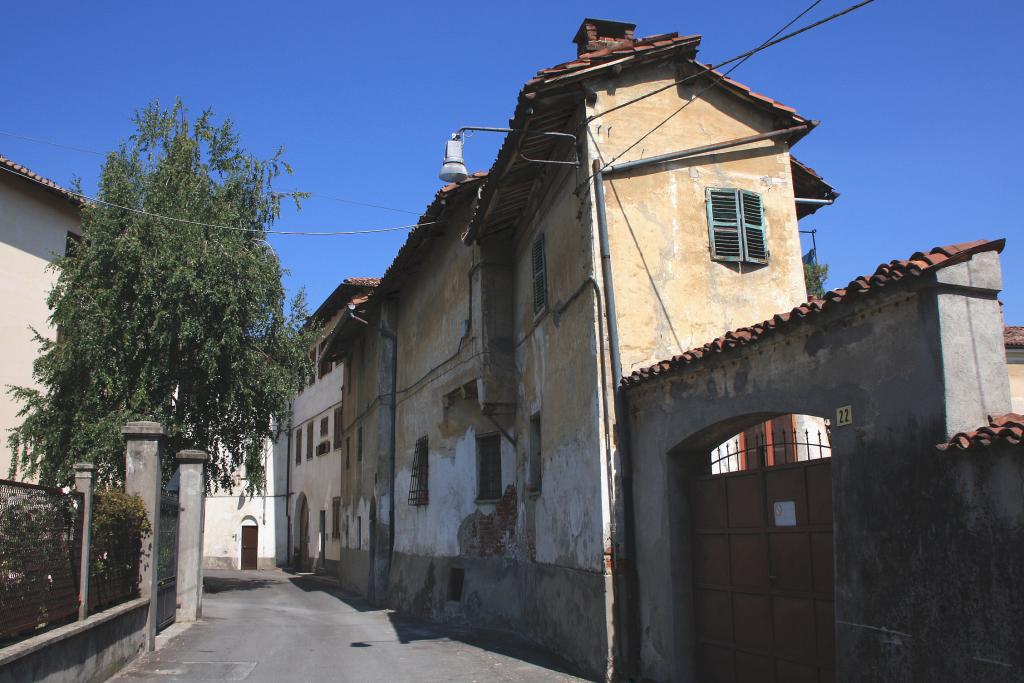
{"type": "Point", "coordinates": [489, 535]}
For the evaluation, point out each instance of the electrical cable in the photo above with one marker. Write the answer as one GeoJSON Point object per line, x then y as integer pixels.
{"type": "Point", "coordinates": [141, 212]}
{"type": "Point", "coordinates": [739, 60]}
{"type": "Point", "coordinates": [311, 194]}
{"type": "Point", "coordinates": [744, 55]}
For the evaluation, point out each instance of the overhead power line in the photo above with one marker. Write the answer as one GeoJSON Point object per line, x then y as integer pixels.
{"type": "Point", "coordinates": [141, 212]}
{"type": "Point", "coordinates": [743, 56]}
{"type": "Point", "coordinates": [717, 79]}
{"type": "Point", "coordinates": [321, 195]}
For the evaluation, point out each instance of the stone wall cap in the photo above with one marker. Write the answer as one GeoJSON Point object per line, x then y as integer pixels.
{"type": "Point", "coordinates": [188, 456]}
{"type": "Point", "coordinates": [84, 467]}
{"type": "Point", "coordinates": [143, 428]}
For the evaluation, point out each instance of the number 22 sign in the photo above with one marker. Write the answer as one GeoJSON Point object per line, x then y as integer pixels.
{"type": "Point", "coordinates": [844, 416]}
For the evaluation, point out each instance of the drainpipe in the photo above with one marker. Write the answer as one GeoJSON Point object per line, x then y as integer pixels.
{"type": "Point", "coordinates": [623, 535]}
{"type": "Point", "coordinates": [391, 446]}
{"type": "Point", "coordinates": [288, 496]}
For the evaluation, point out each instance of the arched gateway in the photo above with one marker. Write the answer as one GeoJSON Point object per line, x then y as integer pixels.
{"type": "Point", "coordinates": [737, 574]}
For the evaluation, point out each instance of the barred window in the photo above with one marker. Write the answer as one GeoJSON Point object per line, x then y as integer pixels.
{"type": "Point", "coordinates": [488, 453]}
{"type": "Point", "coordinates": [418, 491]}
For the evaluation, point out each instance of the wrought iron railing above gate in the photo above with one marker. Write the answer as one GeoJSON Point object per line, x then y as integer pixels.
{"type": "Point", "coordinates": [167, 560]}
{"type": "Point", "coordinates": [769, 446]}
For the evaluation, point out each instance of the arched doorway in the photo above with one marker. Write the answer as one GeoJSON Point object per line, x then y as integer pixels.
{"type": "Point", "coordinates": [301, 560]}
{"type": "Point", "coordinates": [763, 589]}
{"type": "Point", "coordinates": [250, 543]}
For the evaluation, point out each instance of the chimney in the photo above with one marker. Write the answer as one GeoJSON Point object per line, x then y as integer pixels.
{"type": "Point", "coordinates": [598, 34]}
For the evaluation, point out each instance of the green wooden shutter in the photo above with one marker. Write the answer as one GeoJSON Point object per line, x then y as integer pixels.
{"type": "Point", "coordinates": [755, 245]}
{"type": "Point", "coordinates": [724, 224]}
{"type": "Point", "coordinates": [540, 289]}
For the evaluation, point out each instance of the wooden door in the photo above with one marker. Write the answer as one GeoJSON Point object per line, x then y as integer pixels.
{"type": "Point", "coordinates": [250, 546]}
{"type": "Point", "coordinates": [763, 583]}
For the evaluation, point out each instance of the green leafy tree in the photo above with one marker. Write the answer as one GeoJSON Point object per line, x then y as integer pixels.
{"type": "Point", "coordinates": [174, 321]}
{"type": "Point", "coordinates": [815, 275]}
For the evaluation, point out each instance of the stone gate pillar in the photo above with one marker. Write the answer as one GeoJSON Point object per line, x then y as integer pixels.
{"type": "Point", "coordinates": [143, 454]}
{"type": "Point", "coordinates": [191, 506]}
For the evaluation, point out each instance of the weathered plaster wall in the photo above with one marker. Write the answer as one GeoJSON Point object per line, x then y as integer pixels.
{"type": "Point", "coordinates": [1015, 365]}
{"type": "Point", "coordinates": [671, 295]}
{"type": "Point", "coordinates": [361, 509]}
{"type": "Point", "coordinates": [34, 224]}
{"type": "Point", "coordinates": [913, 534]}
{"type": "Point", "coordinates": [316, 478]}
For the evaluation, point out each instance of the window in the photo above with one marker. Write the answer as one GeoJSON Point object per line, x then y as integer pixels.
{"type": "Point", "coordinates": [534, 463]}
{"type": "Point", "coordinates": [539, 269]}
{"type": "Point", "coordinates": [309, 440]}
{"type": "Point", "coordinates": [418, 492]}
{"type": "Point", "coordinates": [337, 428]}
{"type": "Point", "coordinates": [488, 455]}
{"type": "Point", "coordinates": [736, 225]}
{"type": "Point", "coordinates": [298, 446]}
{"type": "Point", "coordinates": [323, 426]}
{"type": "Point", "coordinates": [323, 448]}
{"type": "Point", "coordinates": [325, 365]}
{"type": "Point", "coordinates": [348, 452]}
{"type": "Point", "coordinates": [336, 518]}
{"type": "Point", "coordinates": [359, 444]}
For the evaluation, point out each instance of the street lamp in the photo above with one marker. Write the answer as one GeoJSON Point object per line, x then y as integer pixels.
{"type": "Point", "coordinates": [454, 169]}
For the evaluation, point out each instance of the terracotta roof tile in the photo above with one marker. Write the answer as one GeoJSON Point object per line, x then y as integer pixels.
{"type": "Point", "coordinates": [1005, 429]}
{"type": "Point", "coordinates": [18, 169]}
{"type": "Point", "coordinates": [1013, 337]}
{"type": "Point", "coordinates": [886, 275]}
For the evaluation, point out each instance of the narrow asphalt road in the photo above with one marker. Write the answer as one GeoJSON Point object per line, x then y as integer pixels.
{"type": "Point", "coordinates": [275, 627]}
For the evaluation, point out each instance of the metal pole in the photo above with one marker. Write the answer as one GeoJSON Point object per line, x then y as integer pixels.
{"type": "Point", "coordinates": [84, 483]}
{"type": "Point", "coordinates": [703, 149]}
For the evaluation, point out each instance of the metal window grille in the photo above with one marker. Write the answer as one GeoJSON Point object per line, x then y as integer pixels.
{"type": "Point", "coordinates": [770, 444]}
{"type": "Point", "coordinates": [418, 491]}
{"type": "Point", "coordinates": [539, 269]}
{"type": "Point", "coordinates": [488, 452]}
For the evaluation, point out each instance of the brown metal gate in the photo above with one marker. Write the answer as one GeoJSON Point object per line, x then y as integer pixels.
{"type": "Point", "coordinates": [250, 546]}
{"type": "Point", "coordinates": [763, 583]}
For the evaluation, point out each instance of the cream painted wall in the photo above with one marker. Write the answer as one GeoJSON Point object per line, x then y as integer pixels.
{"type": "Point", "coordinates": [227, 511]}
{"type": "Point", "coordinates": [1015, 364]}
{"type": "Point", "coordinates": [34, 223]}
{"type": "Point", "coordinates": [671, 295]}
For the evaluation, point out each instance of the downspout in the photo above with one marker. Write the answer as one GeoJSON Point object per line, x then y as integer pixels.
{"type": "Point", "coordinates": [624, 536]}
{"type": "Point", "coordinates": [622, 562]}
{"type": "Point", "coordinates": [288, 496]}
{"type": "Point", "coordinates": [391, 448]}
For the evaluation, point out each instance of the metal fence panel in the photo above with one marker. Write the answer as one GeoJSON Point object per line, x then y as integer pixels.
{"type": "Point", "coordinates": [40, 546]}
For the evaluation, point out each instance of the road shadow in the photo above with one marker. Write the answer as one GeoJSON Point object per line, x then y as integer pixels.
{"type": "Point", "coordinates": [223, 584]}
{"type": "Point", "coordinates": [409, 629]}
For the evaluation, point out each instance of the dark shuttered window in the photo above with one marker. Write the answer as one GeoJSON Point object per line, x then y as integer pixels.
{"type": "Point", "coordinates": [736, 225]}
{"type": "Point", "coordinates": [298, 446]}
{"type": "Point", "coordinates": [540, 279]}
{"type": "Point", "coordinates": [309, 440]}
{"type": "Point", "coordinates": [337, 428]}
{"type": "Point", "coordinates": [488, 453]}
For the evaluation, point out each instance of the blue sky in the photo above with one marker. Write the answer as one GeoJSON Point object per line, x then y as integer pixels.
{"type": "Point", "coordinates": [919, 103]}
